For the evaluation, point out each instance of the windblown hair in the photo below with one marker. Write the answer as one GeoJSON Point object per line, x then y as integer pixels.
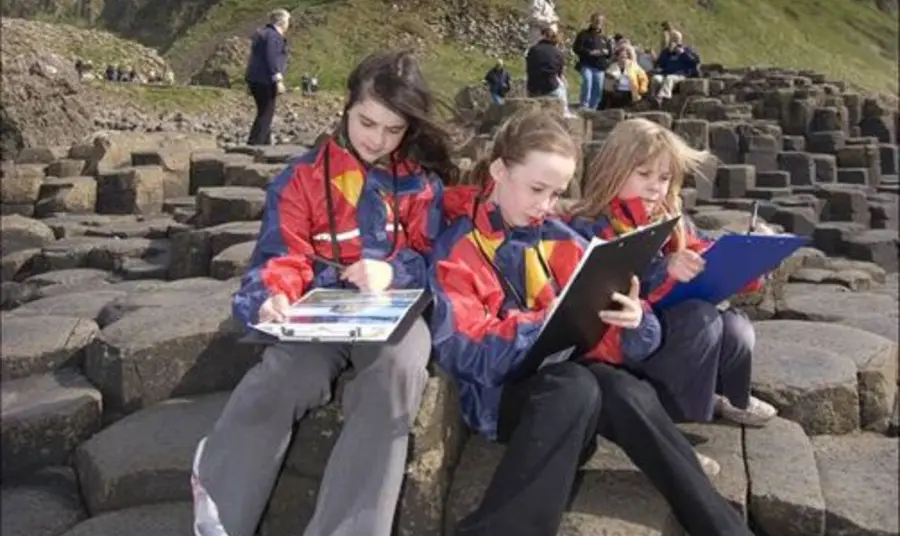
{"type": "Point", "coordinates": [631, 144]}
{"type": "Point", "coordinates": [395, 80]}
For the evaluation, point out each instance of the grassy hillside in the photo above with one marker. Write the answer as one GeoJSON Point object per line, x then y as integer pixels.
{"type": "Point", "coordinates": [847, 39]}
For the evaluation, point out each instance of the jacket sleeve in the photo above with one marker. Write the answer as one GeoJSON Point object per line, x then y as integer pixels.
{"type": "Point", "coordinates": [280, 262]}
{"type": "Point", "coordinates": [423, 223]}
{"type": "Point", "coordinates": [273, 52]}
{"type": "Point", "coordinates": [632, 344]}
{"type": "Point", "coordinates": [470, 342]}
{"type": "Point", "coordinates": [578, 45]}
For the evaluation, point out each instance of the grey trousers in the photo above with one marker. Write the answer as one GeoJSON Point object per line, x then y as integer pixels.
{"type": "Point", "coordinates": [237, 464]}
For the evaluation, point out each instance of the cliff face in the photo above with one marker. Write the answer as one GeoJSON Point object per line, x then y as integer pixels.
{"type": "Point", "coordinates": [154, 23]}
{"type": "Point", "coordinates": [43, 100]}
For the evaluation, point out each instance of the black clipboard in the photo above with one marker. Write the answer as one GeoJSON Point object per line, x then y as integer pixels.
{"type": "Point", "coordinates": [606, 267]}
{"type": "Point", "coordinates": [416, 310]}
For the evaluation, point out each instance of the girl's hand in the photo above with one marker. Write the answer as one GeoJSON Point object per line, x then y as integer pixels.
{"type": "Point", "coordinates": [632, 312]}
{"type": "Point", "coordinates": [685, 264]}
{"type": "Point", "coordinates": [274, 309]}
{"type": "Point", "coordinates": [369, 275]}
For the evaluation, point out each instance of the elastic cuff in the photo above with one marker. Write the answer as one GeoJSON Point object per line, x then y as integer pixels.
{"type": "Point", "coordinates": [278, 77]}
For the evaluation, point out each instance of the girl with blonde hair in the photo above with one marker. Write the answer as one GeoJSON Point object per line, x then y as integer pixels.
{"type": "Point", "coordinates": [495, 273]}
{"type": "Point", "coordinates": [703, 366]}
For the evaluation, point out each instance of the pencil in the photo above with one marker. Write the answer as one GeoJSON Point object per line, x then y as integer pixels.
{"type": "Point", "coordinates": [327, 262]}
{"type": "Point", "coordinates": [754, 214]}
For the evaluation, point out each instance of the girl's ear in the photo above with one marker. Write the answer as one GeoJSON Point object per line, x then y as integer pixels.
{"type": "Point", "coordinates": [498, 170]}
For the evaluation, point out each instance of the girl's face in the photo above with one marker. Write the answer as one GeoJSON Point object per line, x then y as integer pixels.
{"type": "Point", "coordinates": [374, 130]}
{"type": "Point", "coordinates": [527, 191]}
{"type": "Point", "coordinates": [649, 182]}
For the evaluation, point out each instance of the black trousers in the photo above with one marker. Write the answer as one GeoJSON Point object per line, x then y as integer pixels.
{"type": "Point", "coordinates": [550, 423]}
{"type": "Point", "coordinates": [264, 95]}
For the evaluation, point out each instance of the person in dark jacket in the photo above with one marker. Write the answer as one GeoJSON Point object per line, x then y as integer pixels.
{"type": "Point", "coordinates": [594, 51]}
{"type": "Point", "coordinates": [265, 73]}
{"type": "Point", "coordinates": [498, 82]}
{"type": "Point", "coordinates": [544, 65]}
{"type": "Point", "coordinates": [673, 65]}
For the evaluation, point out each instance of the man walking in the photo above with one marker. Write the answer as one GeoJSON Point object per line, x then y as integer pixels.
{"type": "Point", "coordinates": [265, 73]}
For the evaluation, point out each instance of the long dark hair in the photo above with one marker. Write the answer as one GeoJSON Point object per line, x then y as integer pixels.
{"type": "Point", "coordinates": [395, 80]}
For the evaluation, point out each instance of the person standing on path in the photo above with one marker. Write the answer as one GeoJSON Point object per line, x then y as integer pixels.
{"type": "Point", "coordinates": [265, 73]}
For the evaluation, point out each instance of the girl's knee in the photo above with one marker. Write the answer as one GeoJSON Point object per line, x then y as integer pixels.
{"type": "Point", "coordinates": [409, 358]}
{"type": "Point", "coordinates": [631, 395]}
{"type": "Point", "coordinates": [697, 319]}
{"type": "Point", "coordinates": [576, 386]}
{"type": "Point", "coordinates": [738, 329]}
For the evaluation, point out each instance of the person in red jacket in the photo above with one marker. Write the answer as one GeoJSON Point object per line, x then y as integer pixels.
{"type": "Point", "coordinates": [367, 200]}
{"type": "Point", "coordinates": [703, 367]}
{"type": "Point", "coordinates": [495, 273]}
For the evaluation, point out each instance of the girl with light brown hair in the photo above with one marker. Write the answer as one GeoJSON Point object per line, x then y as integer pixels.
{"type": "Point", "coordinates": [703, 366]}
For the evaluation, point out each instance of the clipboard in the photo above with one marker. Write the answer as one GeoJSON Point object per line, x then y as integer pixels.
{"type": "Point", "coordinates": [605, 267]}
{"type": "Point", "coordinates": [383, 328]}
{"type": "Point", "coordinates": [731, 262]}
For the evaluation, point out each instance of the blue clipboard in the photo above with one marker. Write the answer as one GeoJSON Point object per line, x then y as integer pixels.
{"type": "Point", "coordinates": [731, 262]}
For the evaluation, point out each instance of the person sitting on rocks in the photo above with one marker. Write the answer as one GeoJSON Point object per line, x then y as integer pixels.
{"type": "Point", "coordinates": [646, 59]}
{"type": "Point", "coordinates": [265, 73]}
{"type": "Point", "coordinates": [545, 64]}
{"type": "Point", "coordinates": [111, 74]}
{"type": "Point", "coordinates": [495, 273]}
{"type": "Point", "coordinates": [629, 82]}
{"type": "Point", "coordinates": [368, 199]}
{"type": "Point", "coordinates": [594, 51]}
{"type": "Point", "coordinates": [673, 65]}
{"type": "Point", "coordinates": [703, 366]}
{"type": "Point", "coordinates": [498, 82]}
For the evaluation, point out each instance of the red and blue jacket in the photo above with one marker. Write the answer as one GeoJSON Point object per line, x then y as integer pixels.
{"type": "Point", "coordinates": [390, 212]}
{"type": "Point", "coordinates": [623, 216]}
{"type": "Point", "coordinates": [481, 328]}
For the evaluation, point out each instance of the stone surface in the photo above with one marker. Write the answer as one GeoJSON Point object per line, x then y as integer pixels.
{"type": "Point", "coordinates": [152, 354]}
{"type": "Point", "coordinates": [859, 482]}
{"type": "Point", "coordinates": [45, 504]}
{"type": "Point", "coordinates": [120, 468]}
{"type": "Point", "coordinates": [167, 519]}
{"type": "Point", "coordinates": [875, 358]}
{"type": "Point", "coordinates": [38, 344]}
{"type": "Point", "coordinates": [813, 386]}
{"type": "Point", "coordinates": [44, 417]}
{"type": "Point", "coordinates": [785, 494]}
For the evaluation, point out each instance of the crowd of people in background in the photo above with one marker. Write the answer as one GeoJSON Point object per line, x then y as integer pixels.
{"type": "Point", "coordinates": [123, 73]}
{"type": "Point", "coordinates": [613, 71]}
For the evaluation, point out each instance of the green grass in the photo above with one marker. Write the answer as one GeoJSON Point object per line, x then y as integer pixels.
{"type": "Point", "coordinates": [184, 98]}
{"type": "Point", "coordinates": [846, 39]}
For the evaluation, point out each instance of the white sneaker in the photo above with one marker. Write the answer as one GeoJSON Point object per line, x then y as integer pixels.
{"type": "Point", "coordinates": [757, 414]}
{"type": "Point", "coordinates": [206, 513]}
{"type": "Point", "coordinates": [710, 466]}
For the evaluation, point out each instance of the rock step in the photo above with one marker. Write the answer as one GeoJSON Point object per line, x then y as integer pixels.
{"type": "Point", "coordinates": [874, 359]}
{"type": "Point", "coordinates": [859, 483]}
{"type": "Point", "coordinates": [145, 458]}
{"type": "Point", "coordinates": [614, 497]}
{"type": "Point", "coordinates": [155, 353]}
{"type": "Point", "coordinates": [45, 504]}
{"type": "Point", "coordinates": [785, 493]}
{"type": "Point", "coordinates": [44, 418]}
{"type": "Point", "coordinates": [38, 344]}
{"type": "Point", "coordinates": [168, 519]}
